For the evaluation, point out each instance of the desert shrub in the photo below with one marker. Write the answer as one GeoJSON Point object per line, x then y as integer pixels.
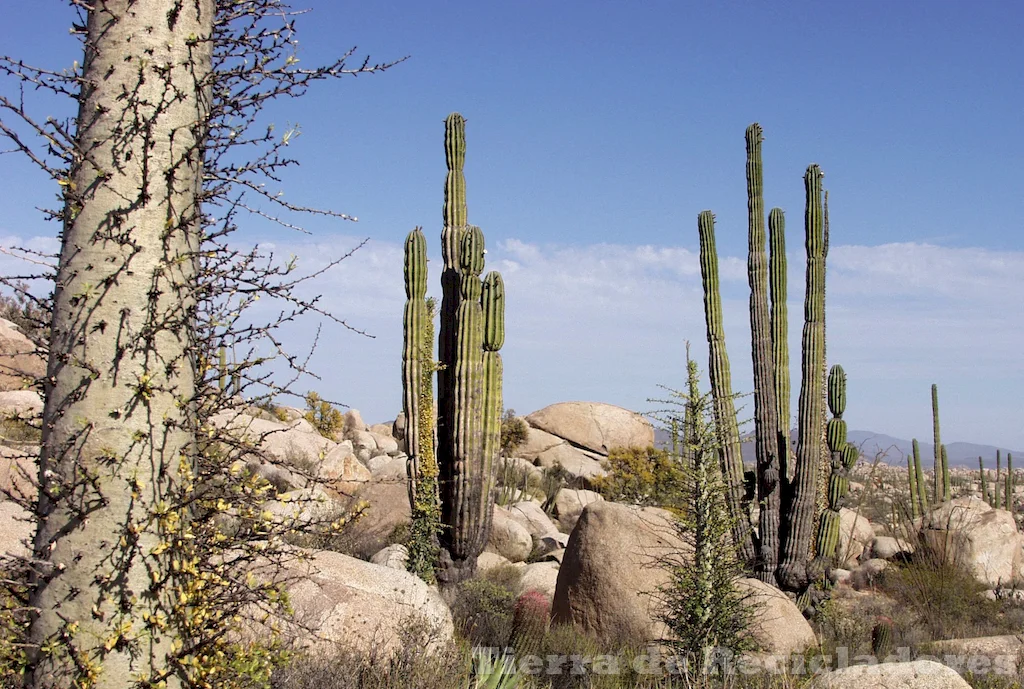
{"type": "Point", "coordinates": [323, 416]}
{"type": "Point", "coordinates": [31, 316]}
{"type": "Point", "coordinates": [14, 430]}
{"type": "Point", "coordinates": [513, 432]}
{"type": "Point", "coordinates": [642, 476]}
{"type": "Point", "coordinates": [14, 622]}
{"type": "Point", "coordinates": [410, 666]}
{"type": "Point", "coordinates": [483, 608]}
{"type": "Point", "coordinates": [515, 482]}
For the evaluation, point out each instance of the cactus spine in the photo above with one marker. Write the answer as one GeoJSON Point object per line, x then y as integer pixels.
{"type": "Point", "coordinates": [418, 405]}
{"type": "Point", "coordinates": [938, 494]}
{"type": "Point", "coordinates": [915, 507]}
{"type": "Point", "coordinates": [721, 385]}
{"type": "Point", "coordinates": [780, 334]}
{"type": "Point", "coordinates": [843, 456]}
{"type": "Point", "coordinates": [796, 543]}
{"type": "Point", "coordinates": [922, 491]}
{"type": "Point", "coordinates": [766, 421]}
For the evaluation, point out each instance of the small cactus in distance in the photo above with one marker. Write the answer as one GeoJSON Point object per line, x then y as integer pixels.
{"type": "Point", "coordinates": [939, 494]}
{"type": "Point", "coordinates": [530, 618]}
{"type": "Point", "coordinates": [881, 637]}
{"type": "Point", "coordinates": [984, 483]}
{"type": "Point", "coordinates": [998, 488]}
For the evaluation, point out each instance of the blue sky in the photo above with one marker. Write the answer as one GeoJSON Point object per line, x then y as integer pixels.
{"type": "Point", "coordinates": [596, 133]}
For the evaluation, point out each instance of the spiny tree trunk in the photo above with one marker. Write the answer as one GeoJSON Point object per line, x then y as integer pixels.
{"type": "Point", "coordinates": [117, 421]}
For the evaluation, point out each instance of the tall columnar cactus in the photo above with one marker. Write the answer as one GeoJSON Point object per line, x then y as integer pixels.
{"type": "Point", "coordinates": [418, 405]}
{"type": "Point", "coordinates": [922, 491]}
{"type": "Point", "coordinates": [766, 420]}
{"type": "Point", "coordinates": [984, 482]}
{"type": "Point", "coordinates": [455, 220]}
{"type": "Point", "coordinates": [947, 492]}
{"type": "Point", "coordinates": [796, 542]}
{"type": "Point", "coordinates": [938, 495]}
{"type": "Point", "coordinates": [843, 456]}
{"type": "Point", "coordinates": [915, 507]}
{"type": "Point", "coordinates": [1009, 483]}
{"type": "Point", "coordinates": [492, 301]}
{"type": "Point", "coordinates": [222, 368]}
{"type": "Point", "coordinates": [780, 334]}
{"type": "Point", "coordinates": [467, 486]}
{"type": "Point", "coordinates": [997, 489]}
{"type": "Point", "coordinates": [721, 387]}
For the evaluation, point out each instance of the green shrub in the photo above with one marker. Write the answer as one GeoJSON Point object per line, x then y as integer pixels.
{"type": "Point", "coordinates": [642, 476]}
{"type": "Point", "coordinates": [323, 416]}
{"type": "Point", "coordinates": [483, 608]}
{"type": "Point", "coordinates": [513, 432]}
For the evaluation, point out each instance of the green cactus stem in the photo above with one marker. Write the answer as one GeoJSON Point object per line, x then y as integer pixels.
{"type": "Point", "coordinates": [881, 638]}
{"type": "Point", "coordinates": [1009, 483]}
{"type": "Point", "coordinates": [492, 301]}
{"type": "Point", "coordinates": [766, 421]}
{"type": "Point", "coordinates": [984, 483]}
{"type": "Point", "coordinates": [455, 222]}
{"type": "Point", "coordinates": [938, 491]}
{"type": "Point", "coordinates": [467, 487]}
{"type": "Point", "coordinates": [222, 367]}
{"type": "Point", "coordinates": [947, 492]}
{"type": "Point", "coordinates": [839, 482]}
{"type": "Point", "coordinates": [418, 405]}
{"type": "Point", "coordinates": [796, 542]}
{"type": "Point", "coordinates": [997, 489]}
{"type": "Point", "coordinates": [922, 491]}
{"type": "Point", "coordinates": [915, 506]}
{"type": "Point", "coordinates": [721, 388]}
{"type": "Point", "coordinates": [780, 335]}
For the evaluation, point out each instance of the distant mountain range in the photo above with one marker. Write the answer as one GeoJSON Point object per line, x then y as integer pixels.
{"type": "Point", "coordinates": [895, 450]}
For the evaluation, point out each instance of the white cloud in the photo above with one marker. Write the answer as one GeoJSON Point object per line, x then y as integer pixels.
{"type": "Point", "coordinates": [608, 322]}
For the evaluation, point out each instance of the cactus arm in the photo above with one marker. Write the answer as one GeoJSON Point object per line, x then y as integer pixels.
{"type": "Point", "coordinates": [838, 482]}
{"type": "Point", "coordinates": [780, 334]}
{"type": "Point", "coordinates": [947, 492]}
{"type": "Point", "coordinates": [997, 489]}
{"type": "Point", "coordinates": [455, 220]}
{"type": "Point", "coordinates": [922, 491]}
{"type": "Point", "coordinates": [984, 484]}
{"type": "Point", "coordinates": [915, 507]}
{"type": "Point", "coordinates": [792, 573]}
{"type": "Point", "coordinates": [937, 441]}
{"type": "Point", "coordinates": [721, 388]}
{"type": "Point", "coordinates": [766, 419]}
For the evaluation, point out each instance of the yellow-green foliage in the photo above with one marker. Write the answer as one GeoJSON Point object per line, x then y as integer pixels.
{"type": "Point", "coordinates": [513, 432]}
{"type": "Point", "coordinates": [324, 417]}
{"type": "Point", "coordinates": [642, 476]}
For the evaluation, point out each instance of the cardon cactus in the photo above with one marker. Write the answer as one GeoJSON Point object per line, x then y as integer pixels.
{"type": "Point", "coordinates": [839, 482]}
{"type": "Point", "coordinates": [938, 495]}
{"type": "Point", "coordinates": [1009, 483]}
{"type": "Point", "coordinates": [780, 334]}
{"type": "Point", "coordinates": [468, 413]}
{"type": "Point", "coordinates": [796, 542]}
{"type": "Point", "coordinates": [984, 482]}
{"type": "Point", "coordinates": [418, 405]}
{"type": "Point", "coordinates": [455, 220]}
{"type": "Point", "coordinates": [530, 618]}
{"type": "Point", "coordinates": [947, 491]}
{"type": "Point", "coordinates": [468, 481]}
{"type": "Point", "coordinates": [922, 490]}
{"type": "Point", "coordinates": [997, 490]}
{"type": "Point", "coordinates": [721, 387]}
{"type": "Point", "coordinates": [915, 505]}
{"type": "Point", "coordinates": [767, 442]}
